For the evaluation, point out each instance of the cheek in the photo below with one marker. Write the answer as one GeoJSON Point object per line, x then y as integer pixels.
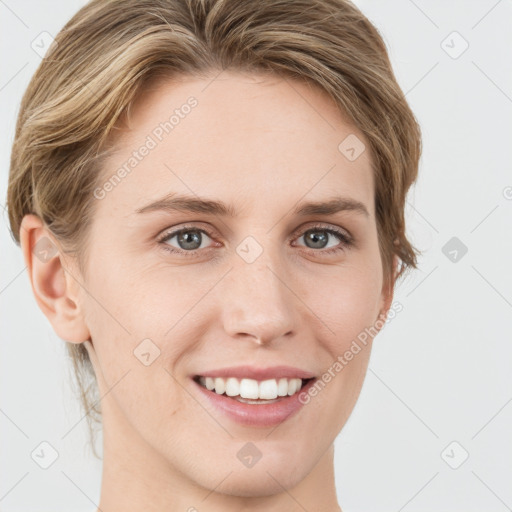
{"type": "Point", "coordinates": [349, 304]}
{"type": "Point", "coordinates": [346, 303]}
{"type": "Point", "coordinates": [134, 302]}
{"type": "Point", "coordinates": [149, 317]}
{"type": "Point", "coordinates": [131, 323]}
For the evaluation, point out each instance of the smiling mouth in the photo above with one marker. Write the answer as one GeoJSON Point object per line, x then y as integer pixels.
{"type": "Point", "coordinates": [253, 391]}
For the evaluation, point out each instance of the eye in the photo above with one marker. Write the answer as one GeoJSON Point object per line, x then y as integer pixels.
{"type": "Point", "coordinates": [187, 240]}
{"type": "Point", "coordinates": [317, 237]}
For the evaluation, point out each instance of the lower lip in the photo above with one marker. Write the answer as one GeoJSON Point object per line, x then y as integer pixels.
{"type": "Point", "coordinates": [262, 415]}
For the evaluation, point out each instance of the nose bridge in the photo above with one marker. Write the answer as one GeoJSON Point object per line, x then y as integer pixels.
{"type": "Point", "coordinates": [258, 302]}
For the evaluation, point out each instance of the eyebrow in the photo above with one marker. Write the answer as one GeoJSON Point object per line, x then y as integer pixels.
{"type": "Point", "coordinates": [183, 203]}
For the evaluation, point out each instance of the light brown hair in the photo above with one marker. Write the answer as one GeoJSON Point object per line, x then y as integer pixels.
{"type": "Point", "coordinates": [109, 51]}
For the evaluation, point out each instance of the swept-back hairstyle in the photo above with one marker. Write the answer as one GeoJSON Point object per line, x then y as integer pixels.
{"type": "Point", "coordinates": [104, 58]}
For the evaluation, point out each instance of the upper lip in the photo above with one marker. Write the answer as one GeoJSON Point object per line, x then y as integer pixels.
{"type": "Point", "coordinates": [253, 372]}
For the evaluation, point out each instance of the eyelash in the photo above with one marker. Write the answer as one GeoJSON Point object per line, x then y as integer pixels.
{"type": "Point", "coordinates": [346, 242]}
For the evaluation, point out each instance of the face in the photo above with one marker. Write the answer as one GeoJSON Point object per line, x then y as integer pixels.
{"type": "Point", "coordinates": [262, 283]}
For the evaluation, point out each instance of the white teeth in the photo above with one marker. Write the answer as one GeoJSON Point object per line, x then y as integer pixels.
{"type": "Point", "coordinates": [249, 389]}
{"type": "Point", "coordinates": [269, 389]}
{"type": "Point", "coordinates": [292, 387]}
{"type": "Point", "coordinates": [282, 387]}
{"type": "Point", "coordinates": [220, 385]}
{"type": "Point", "coordinates": [232, 387]}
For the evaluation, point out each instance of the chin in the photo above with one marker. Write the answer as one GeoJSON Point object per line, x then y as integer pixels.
{"type": "Point", "coordinates": [259, 481]}
{"type": "Point", "coordinates": [255, 485]}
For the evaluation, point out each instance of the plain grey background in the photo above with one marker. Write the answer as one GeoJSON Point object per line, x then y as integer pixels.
{"type": "Point", "coordinates": [431, 429]}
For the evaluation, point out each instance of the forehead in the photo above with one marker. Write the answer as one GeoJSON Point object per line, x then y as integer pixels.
{"type": "Point", "coordinates": [252, 139]}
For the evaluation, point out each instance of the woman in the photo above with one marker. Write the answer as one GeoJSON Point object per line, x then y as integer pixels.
{"type": "Point", "coordinates": [209, 197]}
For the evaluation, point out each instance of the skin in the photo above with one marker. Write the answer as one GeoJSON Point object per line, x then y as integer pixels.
{"type": "Point", "coordinates": [260, 145]}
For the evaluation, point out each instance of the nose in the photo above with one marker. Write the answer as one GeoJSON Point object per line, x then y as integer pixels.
{"type": "Point", "coordinates": [258, 302]}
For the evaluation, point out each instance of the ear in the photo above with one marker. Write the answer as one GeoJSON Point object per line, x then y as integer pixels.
{"type": "Point", "coordinates": [55, 286]}
{"type": "Point", "coordinates": [388, 291]}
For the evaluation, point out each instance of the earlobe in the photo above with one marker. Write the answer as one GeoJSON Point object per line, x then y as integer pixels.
{"type": "Point", "coordinates": [54, 288]}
